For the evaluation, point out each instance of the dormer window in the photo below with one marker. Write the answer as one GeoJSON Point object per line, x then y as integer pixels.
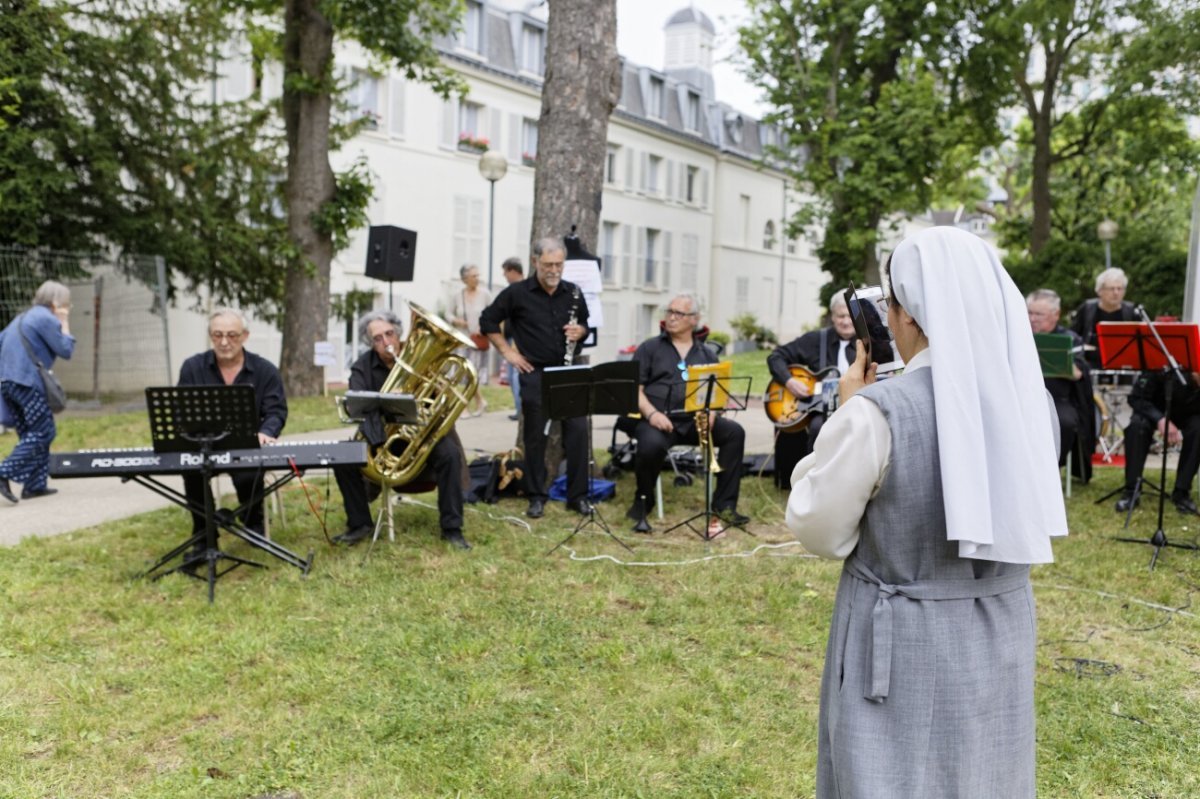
{"type": "Point", "coordinates": [654, 103]}
{"type": "Point", "coordinates": [533, 46]}
{"type": "Point", "coordinates": [693, 111]}
{"type": "Point", "coordinates": [471, 35]}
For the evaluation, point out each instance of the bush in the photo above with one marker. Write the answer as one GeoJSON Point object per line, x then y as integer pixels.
{"type": "Point", "coordinates": [719, 337]}
{"type": "Point", "coordinates": [745, 325]}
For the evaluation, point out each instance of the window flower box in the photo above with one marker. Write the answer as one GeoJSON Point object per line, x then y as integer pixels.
{"type": "Point", "coordinates": [470, 143]}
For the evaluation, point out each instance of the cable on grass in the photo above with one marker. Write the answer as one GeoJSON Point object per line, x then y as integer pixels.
{"type": "Point", "coordinates": [691, 561]}
{"type": "Point", "coordinates": [1107, 595]}
{"type": "Point", "coordinates": [1084, 667]}
{"type": "Point", "coordinates": [308, 497]}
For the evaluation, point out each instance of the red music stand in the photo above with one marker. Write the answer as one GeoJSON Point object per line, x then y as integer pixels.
{"type": "Point", "coordinates": [1170, 347]}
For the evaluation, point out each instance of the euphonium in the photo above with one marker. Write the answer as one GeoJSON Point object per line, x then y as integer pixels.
{"type": "Point", "coordinates": [704, 431]}
{"type": "Point", "coordinates": [441, 383]}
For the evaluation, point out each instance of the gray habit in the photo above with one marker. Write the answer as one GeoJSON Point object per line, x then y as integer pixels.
{"type": "Point", "coordinates": [928, 683]}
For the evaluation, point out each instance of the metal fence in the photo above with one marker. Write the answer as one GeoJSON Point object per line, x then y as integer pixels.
{"type": "Point", "coordinates": [117, 317]}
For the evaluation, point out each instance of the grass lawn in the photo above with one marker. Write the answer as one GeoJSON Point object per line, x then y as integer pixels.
{"type": "Point", "coordinates": [684, 669]}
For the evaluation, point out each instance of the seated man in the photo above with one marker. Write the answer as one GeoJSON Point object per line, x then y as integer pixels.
{"type": "Point", "coordinates": [662, 375]}
{"type": "Point", "coordinates": [816, 350]}
{"type": "Point", "coordinates": [228, 363]}
{"type": "Point", "coordinates": [446, 465]}
{"type": "Point", "coordinates": [1109, 305]}
{"type": "Point", "coordinates": [1148, 402]}
{"type": "Point", "coordinates": [1072, 397]}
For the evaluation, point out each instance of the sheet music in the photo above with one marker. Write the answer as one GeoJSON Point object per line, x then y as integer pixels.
{"type": "Point", "coordinates": [585, 273]}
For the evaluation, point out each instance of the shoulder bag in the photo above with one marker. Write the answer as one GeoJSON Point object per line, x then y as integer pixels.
{"type": "Point", "coordinates": [56, 395]}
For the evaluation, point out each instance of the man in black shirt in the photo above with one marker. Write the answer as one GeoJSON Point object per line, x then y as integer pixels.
{"type": "Point", "coordinates": [1072, 396]}
{"type": "Point", "coordinates": [1148, 400]}
{"type": "Point", "coordinates": [380, 330]}
{"type": "Point", "coordinates": [662, 387]}
{"type": "Point", "coordinates": [543, 313]}
{"type": "Point", "coordinates": [1109, 306]}
{"type": "Point", "coordinates": [816, 350]}
{"type": "Point", "coordinates": [229, 364]}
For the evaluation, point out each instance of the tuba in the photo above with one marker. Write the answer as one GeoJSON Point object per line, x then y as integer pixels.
{"type": "Point", "coordinates": [440, 382]}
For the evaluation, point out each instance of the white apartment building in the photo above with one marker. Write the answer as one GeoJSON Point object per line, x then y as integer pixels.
{"type": "Point", "coordinates": [688, 203]}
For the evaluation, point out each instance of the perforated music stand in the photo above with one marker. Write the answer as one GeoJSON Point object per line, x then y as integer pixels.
{"type": "Point", "coordinates": [1172, 348]}
{"type": "Point", "coordinates": [192, 419]}
{"type": "Point", "coordinates": [393, 409]}
{"type": "Point", "coordinates": [711, 393]}
{"type": "Point", "coordinates": [570, 391]}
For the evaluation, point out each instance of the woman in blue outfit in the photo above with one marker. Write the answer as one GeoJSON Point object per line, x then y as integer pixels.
{"type": "Point", "coordinates": [23, 397]}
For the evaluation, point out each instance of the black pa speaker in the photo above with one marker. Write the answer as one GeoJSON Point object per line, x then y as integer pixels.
{"type": "Point", "coordinates": [391, 251]}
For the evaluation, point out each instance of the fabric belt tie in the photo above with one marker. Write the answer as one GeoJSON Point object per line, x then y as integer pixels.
{"type": "Point", "coordinates": [879, 678]}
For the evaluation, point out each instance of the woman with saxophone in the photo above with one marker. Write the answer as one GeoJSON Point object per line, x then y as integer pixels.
{"type": "Point", "coordinates": [381, 331]}
{"type": "Point", "coordinates": [663, 363]}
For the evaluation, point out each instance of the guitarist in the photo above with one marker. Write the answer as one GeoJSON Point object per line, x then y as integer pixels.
{"type": "Point", "coordinates": [816, 350]}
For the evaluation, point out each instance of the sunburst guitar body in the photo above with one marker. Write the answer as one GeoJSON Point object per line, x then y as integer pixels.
{"type": "Point", "coordinates": [789, 413]}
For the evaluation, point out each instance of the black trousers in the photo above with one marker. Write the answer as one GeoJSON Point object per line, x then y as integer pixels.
{"type": "Point", "coordinates": [249, 489]}
{"type": "Point", "coordinates": [574, 431]}
{"type": "Point", "coordinates": [444, 467]}
{"type": "Point", "coordinates": [791, 448]}
{"type": "Point", "coordinates": [1068, 428]}
{"type": "Point", "coordinates": [1138, 436]}
{"type": "Point", "coordinates": [728, 437]}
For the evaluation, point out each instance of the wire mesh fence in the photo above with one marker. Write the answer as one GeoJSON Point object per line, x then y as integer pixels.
{"type": "Point", "coordinates": [117, 317]}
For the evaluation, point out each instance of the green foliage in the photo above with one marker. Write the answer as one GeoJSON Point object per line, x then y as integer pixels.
{"type": "Point", "coordinates": [863, 94]}
{"type": "Point", "coordinates": [349, 306]}
{"type": "Point", "coordinates": [347, 211]}
{"type": "Point", "coordinates": [745, 325]}
{"type": "Point", "coordinates": [719, 337]}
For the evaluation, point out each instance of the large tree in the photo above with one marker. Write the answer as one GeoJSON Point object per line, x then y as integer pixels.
{"type": "Point", "coordinates": [1080, 70]}
{"type": "Point", "coordinates": [112, 139]}
{"type": "Point", "coordinates": [581, 89]}
{"type": "Point", "coordinates": [400, 33]}
{"type": "Point", "coordinates": [865, 97]}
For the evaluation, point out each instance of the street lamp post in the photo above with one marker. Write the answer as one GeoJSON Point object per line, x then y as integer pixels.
{"type": "Point", "coordinates": [1107, 231]}
{"type": "Point", "coordinates": [493, 166]}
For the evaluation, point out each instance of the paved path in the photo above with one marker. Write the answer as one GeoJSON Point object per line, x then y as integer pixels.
{"type": "Point", "coordinates": [83, 503]}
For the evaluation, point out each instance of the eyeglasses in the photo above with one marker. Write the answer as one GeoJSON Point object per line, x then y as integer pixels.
{"type": "Point", "coordinates": [384, 336]}
{"type": "Point", "coordinates": [218, 335]}
{"type": "Point", "coordinates": [672, 313]}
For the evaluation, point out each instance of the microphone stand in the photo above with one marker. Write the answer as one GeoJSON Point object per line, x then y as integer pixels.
{"type": "Point", "coordinates": [1159, 539]}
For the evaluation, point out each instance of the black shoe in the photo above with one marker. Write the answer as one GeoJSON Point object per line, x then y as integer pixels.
{"type": "Point", "coordinates": [536, 509]}
{"type": "Point", "coordinates": [731, 517]}
{"type": "Point", "coordinates": [1184, 504]}
{"type": "Point", "coordinates": [455, 538]}
{"type": "Point", "coordinates": [6, 492]}
{"type": "Point", "coordinates": [352, 537]}
{"type": "Point", "coordinates": [512, 417]}
{"type": "Point", "coordinates": [1127, 501]}
{"type": "Point", "coordinates": [41, 492]}
{"type": "Point", "coordinates": [581, 506]}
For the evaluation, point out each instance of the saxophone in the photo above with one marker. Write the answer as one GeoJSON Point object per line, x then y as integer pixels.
{"type": "Point", "coordinates": [441, 383]}
{"type": "Point", "coordinates": [704, 432]}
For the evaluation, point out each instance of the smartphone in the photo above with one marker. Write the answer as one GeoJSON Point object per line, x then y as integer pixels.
{"type": "Point", "coordinates": [859, 317]}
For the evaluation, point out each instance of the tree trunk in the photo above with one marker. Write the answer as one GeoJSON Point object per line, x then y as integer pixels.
{"type": "Point", "coordinates": [583, 84]}
{"type": "Point", "coordinates": [1039, 235]}
{"type": "Point", "coordinates": [308, 58]}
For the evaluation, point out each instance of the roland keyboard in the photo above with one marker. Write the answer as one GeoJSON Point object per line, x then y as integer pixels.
{"type": "Point", "coordinates": [134, 461]}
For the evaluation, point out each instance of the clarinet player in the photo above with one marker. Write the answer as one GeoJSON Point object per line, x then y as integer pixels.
{"type": "Point", "coordinates": [547, 317]}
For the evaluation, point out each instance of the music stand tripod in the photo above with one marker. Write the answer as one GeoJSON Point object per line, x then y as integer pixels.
{"type": "Point", "coordinates": [710, 394]}
{"type": "Point", "coordinates": [567, 392]}
{"type": "Point", "coordinates": [1146, 347]}
{"type": "Point", "coordinates": [191, 419]}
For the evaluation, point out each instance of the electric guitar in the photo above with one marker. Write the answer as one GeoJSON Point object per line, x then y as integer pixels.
{"type": "Point", "coordinates": [791, 414]}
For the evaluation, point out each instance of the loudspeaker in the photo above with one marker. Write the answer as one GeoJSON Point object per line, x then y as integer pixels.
{"type": "Point", "coordinates": [391, 252]}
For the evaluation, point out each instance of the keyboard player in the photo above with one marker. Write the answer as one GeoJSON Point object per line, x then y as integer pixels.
{"type": "Point", "coordinates": [228, 363]}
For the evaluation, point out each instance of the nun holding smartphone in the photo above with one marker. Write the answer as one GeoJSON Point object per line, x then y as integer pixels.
{"type": "Point", "coordinates": [928, 682]}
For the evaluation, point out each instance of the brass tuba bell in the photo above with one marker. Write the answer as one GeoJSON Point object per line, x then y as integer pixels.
{"type": "Point", "coordinates": [440, 381]}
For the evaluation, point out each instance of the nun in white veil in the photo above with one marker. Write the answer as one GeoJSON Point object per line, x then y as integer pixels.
{"type": "Point", "coordinates": [938, 488]}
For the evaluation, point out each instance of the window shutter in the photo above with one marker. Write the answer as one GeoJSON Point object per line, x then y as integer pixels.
{"type": "Point", "coordinates": [639, 266]}
{"type": "Point", "coordinates": [670, 187]}
{"type": "Point", "coordinates": [494, 128]}
{"type": "Point", "coordinates": [396, 107]}
{"type": "Point", "coordinates": [449, 117]}
{"type": "Point", "coordinates": [628, 168]}
{"type": "Point", "coordinates": [703, 176]}
{"type": "Point", "coordinates": [513, 145]}
{"type": "Point", "coordinates": [683, 170]}
{"type": "Point", "coordinates": [645, 171]}
{"type": "Point", "coordinates": [665, 272]}
{"type": "Point", "coordinates": [626, 246]}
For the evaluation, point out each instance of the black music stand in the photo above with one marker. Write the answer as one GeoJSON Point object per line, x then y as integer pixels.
{"type": "Point", "coordinates": [1171, 348]}
{"type": "Point", "coordinates": [572, 391]}
{"type": "Point", "coordinates": [190, 419]}
{"type": "Point", "coordinates": [710, 394]}
{"type": "Point", "coordinates": [392, 409]}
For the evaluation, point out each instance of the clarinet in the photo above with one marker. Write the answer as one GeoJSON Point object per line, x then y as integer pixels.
{"type": "Point", "coordinates": [572, 320]}
{"type": "Point", "coordinates": [569, 356]}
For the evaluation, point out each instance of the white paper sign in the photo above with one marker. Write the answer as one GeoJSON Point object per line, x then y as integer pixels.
{"type": "Point", "coordinates": [585, 273]}
{"type": "Point", "coordinates": [323, 353]}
